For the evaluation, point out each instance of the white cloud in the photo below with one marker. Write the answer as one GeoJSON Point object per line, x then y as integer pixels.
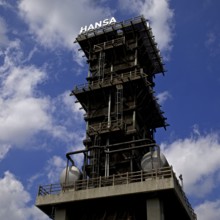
{"type": "Point", "coordinates": [209, 210]}
{"type": "Point", "coordinates": [163, 96]}
{"type": "Point", "coordinates": [54, 168]}
{"type": "Point", "coordinates": [57, 23]}
{"type": "Point", "coordinates": [33, 179]}
{"type": "Point", "coordinates": [197, 159]}
{"type": "Point", "coordinates": [160, 15]}
{"type": "Point", "coordinates": [14, 201]}
{"type": "Point", "coordinates": [69, 123]}
{"type": "Point", "coordinates": [23, 112]}
{"type": "Point", "coordinates": [73, 106]}
{"type": "Point", "coordinates": [4, 3]}
{"type": "Point", "coordinates": [4, 149]}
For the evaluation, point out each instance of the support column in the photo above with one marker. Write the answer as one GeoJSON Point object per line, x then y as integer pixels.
{"type": "Point", "coordinates": [60, 214]}
{"type": "Point", "coordinates": [154, 209]}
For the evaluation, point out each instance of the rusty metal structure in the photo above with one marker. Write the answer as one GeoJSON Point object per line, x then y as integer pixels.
{"type": "Point", "coordinates": [122, 115]}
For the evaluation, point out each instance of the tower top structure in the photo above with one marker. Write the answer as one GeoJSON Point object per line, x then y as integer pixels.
{"type": "Point", "coordinates": [138, 27]}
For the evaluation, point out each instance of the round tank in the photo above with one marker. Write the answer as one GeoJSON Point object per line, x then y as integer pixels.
{"type": "Point", "coordinates": [150, 161]}
{"type": "Point", "coordinates": [70, 175]}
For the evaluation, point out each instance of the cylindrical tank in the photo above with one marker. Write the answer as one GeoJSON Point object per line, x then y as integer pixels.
{"type": "Point", "coordinates": [150, 161]}
{"type": "Point", "coordinates": [69, 175]}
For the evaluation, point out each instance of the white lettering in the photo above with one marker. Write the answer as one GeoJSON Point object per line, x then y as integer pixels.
{"type": "Point", "coordinates": [91, 27]}
{"type": "Point", "coordinates": [97, 25]}
{"type": "Point", "coordinates": [105, 22]}
{"type": "Point", "coordinates": [83, 29]}
{"type": "Point", "coordinates": [112, 20]}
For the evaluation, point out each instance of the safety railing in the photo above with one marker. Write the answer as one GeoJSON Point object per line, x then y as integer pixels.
{"type": "Point", "coordinates": [102, 181]}
{"type": "Point", "coordinates": [180, 190]}
{"type": "Point", "coordinates": [104, 127]}
{"type": "Point", "coordinates": [109, 80]}
{"type": "Point", "coordinates": [109, 44]}
{"type": "Point", "coordinates": [117, 179]}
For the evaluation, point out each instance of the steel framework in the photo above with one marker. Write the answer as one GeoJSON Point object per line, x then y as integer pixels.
{"type": "Point", "coordinates": [122, 115]}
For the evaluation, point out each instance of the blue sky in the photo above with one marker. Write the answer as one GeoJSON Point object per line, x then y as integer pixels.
{"type": "Point", "coordinates": [40, 122]}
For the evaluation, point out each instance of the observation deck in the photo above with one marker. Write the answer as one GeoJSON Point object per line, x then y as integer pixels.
{"type": "Point", "coordinates": [141, 185]}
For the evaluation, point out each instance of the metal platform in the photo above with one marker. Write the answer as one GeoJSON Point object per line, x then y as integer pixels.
{"type": "Point", "coordinates": [139, 185]}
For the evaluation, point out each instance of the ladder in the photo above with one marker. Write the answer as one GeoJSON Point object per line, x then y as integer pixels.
{"type": "Point", "coordinates": [119, 103]}
{"type": "Point", "coordinates": [96, 158]}
{"type": "Point", "coordinates": [101, 65]}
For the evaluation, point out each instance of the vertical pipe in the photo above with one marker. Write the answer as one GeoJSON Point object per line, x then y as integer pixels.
{"type": "Point", "coordinates": [84, 164]}
{"type": "Point", "coordinates": [132, 154]}
{"type": "Point", "coordinates": [67, 170]}
{"type": "Point", "coordinates": [89, 74]}
{"type": "Point", "coordinates": [87, 127]}
{"type": "Point", "coordinates": [100, 63]}
{"type": "Point", "coordinates": [111, 67]}
{"type": "Point", "coordinates": [135, 61]}
{"type": "Point", "coordinates": [109, 110]}
{"type": "Point", "coordinates": [107, 161]}
{"type": "Point", "coordinates": [134, 119]}
{"type": "Point", "coordinates": [158, 157]}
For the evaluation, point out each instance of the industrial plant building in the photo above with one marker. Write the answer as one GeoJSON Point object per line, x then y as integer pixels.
{"type": "Point", "coordinates": [124, 175]}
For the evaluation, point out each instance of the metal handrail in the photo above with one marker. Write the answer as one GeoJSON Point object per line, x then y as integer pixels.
{"type": "Point", "coordinates": [116, 179]}
{"type": "Point", "coordinates": [102, 181]}
{"type": "Point", "coordinates": [105, 126]}
{"type": "Point", "coordinates": [110, 80]}
{"type": "Point", "coordinates": [109, 44]}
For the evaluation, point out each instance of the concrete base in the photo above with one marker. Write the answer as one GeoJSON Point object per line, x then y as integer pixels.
{"type": "Point", "coordinates": [151, 199]}
{"type": "Point", "coordinates": [155, 209]}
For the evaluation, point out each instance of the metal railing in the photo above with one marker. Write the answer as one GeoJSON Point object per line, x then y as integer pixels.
{"type": "Point", "coordinates": [102, 181]}
{"type": "Point", "coordinates": [180, 190]}
{"type": "Point", "coordinates": [117, 179]}
{"type": "Point", "coordinates": [104, 127]}
{"type": "Point", "coordinates": [109, 44]}
{"type": "Point", "coordinates": [110, 80]}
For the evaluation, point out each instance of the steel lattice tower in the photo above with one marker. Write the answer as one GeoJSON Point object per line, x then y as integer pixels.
{"type": "Point", "coordinates": [124, 174]}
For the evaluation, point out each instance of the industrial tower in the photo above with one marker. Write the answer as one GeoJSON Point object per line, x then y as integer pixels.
{"type": "Point", "coordinates": [124, 175]}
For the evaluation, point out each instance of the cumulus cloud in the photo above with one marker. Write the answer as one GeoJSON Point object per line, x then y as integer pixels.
{"type": "Point", "coordinates": [4, 149]}
{"type": "Point", "coordinates": [197, 159]}
{"type": "Point", "coordinates": [163, 96]}
{"type": "Point", "coordinates": [23, 112]}
{"type": "Point", "coordinates": [209, 210]}
{"type": "Point", "coordinates": [57, 23]}
{"type": "Point", "coordinates": [4, 3]}
{"type": "Point", "coordinates": [55, 165]}
{"type": "Point", "coordinates": [70, 104]}
{"type": "Point", "coordinates": [68, 119]}
{"type": "Point", "coordinates": [160, 15]}
{"type": "Point", "coordinates": [14, 200]}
